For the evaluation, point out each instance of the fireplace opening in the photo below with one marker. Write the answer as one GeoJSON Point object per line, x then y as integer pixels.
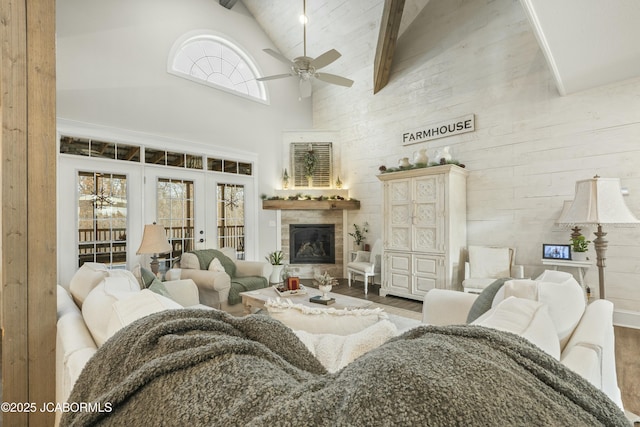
{"type": "Point", "coordinates": [312, 244]}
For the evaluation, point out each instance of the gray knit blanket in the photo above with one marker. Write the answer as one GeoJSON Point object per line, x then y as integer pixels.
{"type": "Point", "coordinates": [207, 368]}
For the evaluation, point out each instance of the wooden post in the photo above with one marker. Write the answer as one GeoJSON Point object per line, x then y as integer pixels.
{"type": "Point", "coordinates": [28, 188]}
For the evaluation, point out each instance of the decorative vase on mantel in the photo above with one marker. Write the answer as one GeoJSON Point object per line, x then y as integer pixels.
{"type": "Point", "coordinates": [310, 181]}
{"type": "Point", "coordinates": [276, 274]}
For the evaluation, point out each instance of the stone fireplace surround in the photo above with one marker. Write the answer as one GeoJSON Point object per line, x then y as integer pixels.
{"type": "Point", "coordinates": [292, 211]}
{"type": "Point", "coordinates": [331, 216]}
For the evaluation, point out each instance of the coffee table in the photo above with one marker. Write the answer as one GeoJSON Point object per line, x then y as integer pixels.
{"type": "Point", "coordinates": [256, 299]}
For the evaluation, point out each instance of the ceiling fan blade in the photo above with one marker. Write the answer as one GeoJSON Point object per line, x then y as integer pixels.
{"type": "Point", "coordinates": [333, 79]}
{"type": "Point", "coordinates": [279, 56]}
{"type": "Point", "coordinates": [305, 88]}
{"type": "Point", "coordinates": [325, 59]}
{"type": "Point", "coordinates": [277, 76]}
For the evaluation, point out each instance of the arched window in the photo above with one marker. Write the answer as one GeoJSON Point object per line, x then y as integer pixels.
{"type": "Point", "coordinates": [215, 61]}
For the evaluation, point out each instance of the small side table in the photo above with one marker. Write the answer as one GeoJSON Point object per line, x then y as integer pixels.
{"type": "Point", "coordinates": [581, 266]}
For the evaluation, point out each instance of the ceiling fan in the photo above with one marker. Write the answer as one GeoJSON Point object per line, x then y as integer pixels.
{"type": "Point", "coordinates": [306, 68]}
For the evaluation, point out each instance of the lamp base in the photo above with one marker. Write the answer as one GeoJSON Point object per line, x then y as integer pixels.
{"type": "Point", "coordinates": [154, 264]}
{"type": "Point", "coordinates": [600, 244]}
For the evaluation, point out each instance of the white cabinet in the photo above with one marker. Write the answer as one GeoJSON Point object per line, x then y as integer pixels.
{"type": "Point", "coordinates": [424, 217]}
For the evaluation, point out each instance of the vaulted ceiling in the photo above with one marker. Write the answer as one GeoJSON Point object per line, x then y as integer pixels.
{"type": "Point", "coordinates": [587, 43]}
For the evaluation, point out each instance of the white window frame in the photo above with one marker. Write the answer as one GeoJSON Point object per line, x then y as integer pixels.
{"type": "Point", "coordinates": [197, 36]}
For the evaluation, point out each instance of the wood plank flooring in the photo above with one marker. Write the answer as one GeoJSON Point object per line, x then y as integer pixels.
{"type": "Point", "coordinates": [357, 291]}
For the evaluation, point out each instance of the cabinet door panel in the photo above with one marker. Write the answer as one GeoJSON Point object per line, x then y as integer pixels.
{"type": "Point", "coordinates": [428, 272]}
{"type": "Point", "coordinates": [424, 285]}
{"type": "Point", "coordinates": [428, 219]}
{"type": "Point", "coordinates": [399, 227]}
{"type": "Point", "coordinates": [426, 265]}
{"type": "Point", "coordinates": [399, 275]}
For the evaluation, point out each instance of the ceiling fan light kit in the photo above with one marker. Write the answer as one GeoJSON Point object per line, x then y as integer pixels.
{"type": "Point", "coordinates": [305, 67]}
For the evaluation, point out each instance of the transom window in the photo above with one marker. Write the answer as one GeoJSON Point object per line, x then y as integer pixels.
{"type": "Point", "coordinates": [216, 61]}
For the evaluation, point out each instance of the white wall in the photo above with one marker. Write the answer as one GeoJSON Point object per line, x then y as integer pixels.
{"type": "Point", "coordinates": [111, 72]}
{"type": "Point", "coordinates": [530, 144]}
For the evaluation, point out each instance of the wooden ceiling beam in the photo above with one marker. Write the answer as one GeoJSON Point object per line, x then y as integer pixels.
{"type": "Point", "coordinates": [228, 3]}
{"type": "Point", "coordinates": [387, 38]}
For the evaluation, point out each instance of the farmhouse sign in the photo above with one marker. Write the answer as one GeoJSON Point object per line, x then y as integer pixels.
{"type": "Point", "coordinates": [439, 130]}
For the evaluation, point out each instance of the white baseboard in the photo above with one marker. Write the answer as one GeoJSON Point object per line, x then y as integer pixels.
{"type": "Point", "coordinates": [626, 318]}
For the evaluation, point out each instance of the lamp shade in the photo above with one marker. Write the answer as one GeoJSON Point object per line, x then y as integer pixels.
{"type": "Point", "coordinates": [154, 240]}
{"type": "Point", "coordinates": [565, 208]}
{"type": "Point", "coordinates": [598, 201]}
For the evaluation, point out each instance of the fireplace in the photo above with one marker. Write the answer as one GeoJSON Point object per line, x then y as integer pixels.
{"type": "Point", "coordinates": [312, 244]}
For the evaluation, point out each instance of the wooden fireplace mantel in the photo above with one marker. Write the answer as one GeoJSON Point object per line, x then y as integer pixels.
{"type": "Point", "coordinates": [311, 204]}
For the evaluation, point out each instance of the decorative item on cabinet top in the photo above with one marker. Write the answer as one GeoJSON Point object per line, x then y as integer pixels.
{"type": "Point", "coordinates": [421, 162]}
{"type": "Point", "coordinates": [390, 173]}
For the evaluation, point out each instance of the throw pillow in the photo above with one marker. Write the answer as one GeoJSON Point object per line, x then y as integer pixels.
{"type": "Point", "coordinates": [527, 318]}
{"type": "Point", "coordinates": [86, 278]}
{"type": "Point", "coordinates": [521, 288]}
{"type": "Point", "coordinates": [127, 275]}
{"type": "Point", "coordinates": [96, 308]}
{"type": "Point", "coordinates": [136, 306]}
{"type": "Point", "coordinates": [484, 301]}
{"type": "Point", "coordinates": [489, 262]}
{"type": "Point", "coordinates": [159, 288]}
{"type": "Point", "coordinates": [216, 266]}
{"type": "Point", "coordinates": [323, 320]}
{"type": "Point", "coordinates": [566, 302]}
{"type": "Point", "coordinates": [146, 278]}
{"type": "Point", "coordinates": [337, 351]}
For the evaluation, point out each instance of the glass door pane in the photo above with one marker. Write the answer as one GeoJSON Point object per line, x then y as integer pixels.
{"type": "Point", "coordinates": [175, 211]}
{"type": "Point", "coordinates": [230, 215]}
{"type": "Point", "coordinates": [102, 219]}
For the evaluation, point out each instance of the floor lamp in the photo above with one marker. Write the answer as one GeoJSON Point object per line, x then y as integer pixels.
{"type": "Point", "coordinates": [597, 202]}
{"type": "Point", "coordinates": [154, 242]}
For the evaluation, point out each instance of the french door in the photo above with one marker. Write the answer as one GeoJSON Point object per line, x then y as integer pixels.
{"type": "Point", "coordinates": [177, 201]}
{"type": "Point", "coordinates": [231, 217]}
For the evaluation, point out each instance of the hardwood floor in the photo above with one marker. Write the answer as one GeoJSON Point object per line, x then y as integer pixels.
{"type": "Point", "coordinates": [628, 366]}
{"type": "Point", "coordinates": [627, 340]}
{"type": "Point", "coordinates": [357, 291]}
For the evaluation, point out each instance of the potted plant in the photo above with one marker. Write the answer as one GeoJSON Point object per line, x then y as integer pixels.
{"type": "Point", "coordinates": [359, 235]}
{"type": "Point", "coordinates": [275, 258]}
{"type": "Point", "coordinates": [579, 247]}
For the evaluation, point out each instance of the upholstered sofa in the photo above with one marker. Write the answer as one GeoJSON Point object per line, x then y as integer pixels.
{"type": "Point", "coordinates": [218, 281]}
{"type": "Point", "coordinates": [550, 311]}
{"type": "Point", "coordinates": [96, 304]}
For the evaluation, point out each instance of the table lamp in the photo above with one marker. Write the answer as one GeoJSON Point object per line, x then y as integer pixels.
{"type": "Point", "coordinates": [154, 242]}
{"type": "Point", "coordinates": [598, 201]}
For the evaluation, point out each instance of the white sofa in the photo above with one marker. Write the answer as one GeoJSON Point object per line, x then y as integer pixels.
{"type": "Point", "coordinates": [552, 305]}
{"type": "Point", "coordinates": [96, 304]}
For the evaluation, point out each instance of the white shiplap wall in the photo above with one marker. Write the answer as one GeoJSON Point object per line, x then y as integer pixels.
{"type": "Point", "coordinates": [530, 144]}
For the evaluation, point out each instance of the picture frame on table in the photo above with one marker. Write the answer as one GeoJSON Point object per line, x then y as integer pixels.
{"type": "Point", "coordinates": [555, 251]}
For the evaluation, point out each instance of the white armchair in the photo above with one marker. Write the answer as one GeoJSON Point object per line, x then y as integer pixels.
{"type": "Point", "coordinates": [366, 264]}
{"type": "Point", "coordinates": [485, 265]}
